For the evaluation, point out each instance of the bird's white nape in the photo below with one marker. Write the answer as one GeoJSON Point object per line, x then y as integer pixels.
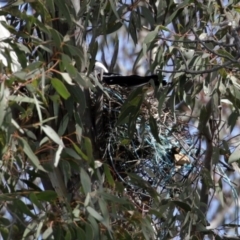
{"type": "Point", "coordinates": [100, 67]}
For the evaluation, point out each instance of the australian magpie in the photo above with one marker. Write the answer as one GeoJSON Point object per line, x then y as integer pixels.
{"type": "Point", "coordinates": [126, 81]}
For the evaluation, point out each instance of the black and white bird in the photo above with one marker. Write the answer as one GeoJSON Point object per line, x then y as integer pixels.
{"type": "Point", "coordinates": [126, 81]}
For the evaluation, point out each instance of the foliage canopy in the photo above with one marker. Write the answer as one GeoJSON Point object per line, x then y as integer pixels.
{"type": "Point", "coordinates": [83, 160]}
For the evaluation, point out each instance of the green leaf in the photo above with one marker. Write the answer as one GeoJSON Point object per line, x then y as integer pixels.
{"type": "Point", "coordinates": [236, 8]}
{"type": "Point", "coordinates": [4, 221]}
{"type": "Point", "coordinates": [163, 28]}
{"type": "Point", "coordinates": [22, 207]}
{"type": "Point", "coordinates": [86, 181]}
{"type": "Point", "coordinates": [161, 210]}
{"type": "Point", "coordinates": [38, 108]}
{"type": "Point", "coordinates": [74, 51]}
{"type": "Point", "coordinates": [95, 226]}
{"type": "Point", "coordinates": [140, 182]}
{"type": "Point", "coordinates": [232, 119]}
{"type": "Point", "coordinates": [31, 227]}
{"type": "Point", "coordinates": [148, 16]}
{"type": "Point", "coordinates": [89, 231]}
{"type": "Point", "coordinates": [57, 155]}
{"type": "Point", "coordinates": [80, 233]}
{"type": "Point", "coordinates": [234, 157]}
{"type": "Point", "coordinates": [151, 36]}
{"type": "Point", "coordinates": [7, 197]}
{"type": "Point", "coordinates": [15, 124]}
{"type": "Point", "coordinates": [60, 88]}
{"type": "Point", "coordinates": [88, 147]}
{"type": "Point", "coordinates": [154, 128]}
{"type": "Point", "coordinates": [94, 213]}
{"type": "Point", "coordinates": [225, 54]}
{"type": "Point", "coordinates": [72, 153]}
{"type": "Point", "coordinates": [108, 175]}
{"type": "Point", "coordinates": [31, 156]}
{"type": "Point", "coordinates": [21, 75]}
{"type": "Point", "coordinates": [33, 66]}
{"type": "Point", "coordinates": [78, 132]}
{"type": "Point", "coordinates": [124, 115]}
{"type": "Point", "coordinates": [113, 27]}
{"type": "Point", "coordinates": [115, 199]}
{"type": "Point", "coordinates": [82, 81]}
{"type": "Point", "coordinates": [182, 205]}
{"type": "Point", "coordinates": [46, 196]}
{"type": "Point", "coordinates": [44, 48]}
{"type": "Point", "coordinates": [39, 229]}
{"type": "Point", "coordinates": [52, 135]}
{"type": "Point", "coordinates": [215, 155]}
{"type": "Point", "coordinates": [67, 78]}
{"type": "Point", "coordinates": [22, 99]}
{"type": "Point", "coordinates": [147, 228]}
{"type": "Point", "coordinates": [67, 64]}
{"type": "Point", "coordinates": [50, 5]}
{"type": "Point", "coordinates": [4, 233]}
{"type": "Point", "coordinates": [115, 53]}
{"type": "Point", "coordinates": [63, 8]}
{"type": "Point", "coordinates": [138, 58]}
{"type": "Point", "coordinates": [177, 12]}
{"type": "Point", "coordinates": [131, 107]}
{"type": "Point", "coordinates": [206, 176]}
{"type": "Point", "coordinates": [104, 209]}
{"type": "Point", "coordinates": [113, 7]}
{"type": "Point", "coordinates": [4, 94]}
{"type": "Point", "coordinates": [35, 201]}
{"type": "Point", "coordinates": [68, 235]}
{"type": "Point", "coordinates": [63, 125]}
{"type": "Point", "coordinates": [93, 48]}
{"type": "Point", "coordinates": [48, 232]}
{"type": "Point", "coordinates": [80, 152]}
{"type": "Point", "coordinates": [161, 100]}
{"type": "Point", "coordinates": [204, 117]}
{"type": "Point", "coordinates": [132, 30]}
{"type": "Point", "coordinates": [57, 38]}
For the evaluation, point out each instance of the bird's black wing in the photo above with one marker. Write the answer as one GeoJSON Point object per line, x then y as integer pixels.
{"type": "Point", "coordinates": [130, 81]}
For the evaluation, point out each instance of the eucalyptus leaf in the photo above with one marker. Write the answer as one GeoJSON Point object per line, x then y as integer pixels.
{"type": "Point", "coordinates": [85, 180]}
{"type": "Point", "coordinates": [94, 213]}
{"type": "Point", "coordinates": [234, 157]}
{"type": "Point", "coordinates": [31, 156]}
{"type": "Point", "coordinates": [52, 135]}
{"type": "Point", "coordinates": [60, 87]}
